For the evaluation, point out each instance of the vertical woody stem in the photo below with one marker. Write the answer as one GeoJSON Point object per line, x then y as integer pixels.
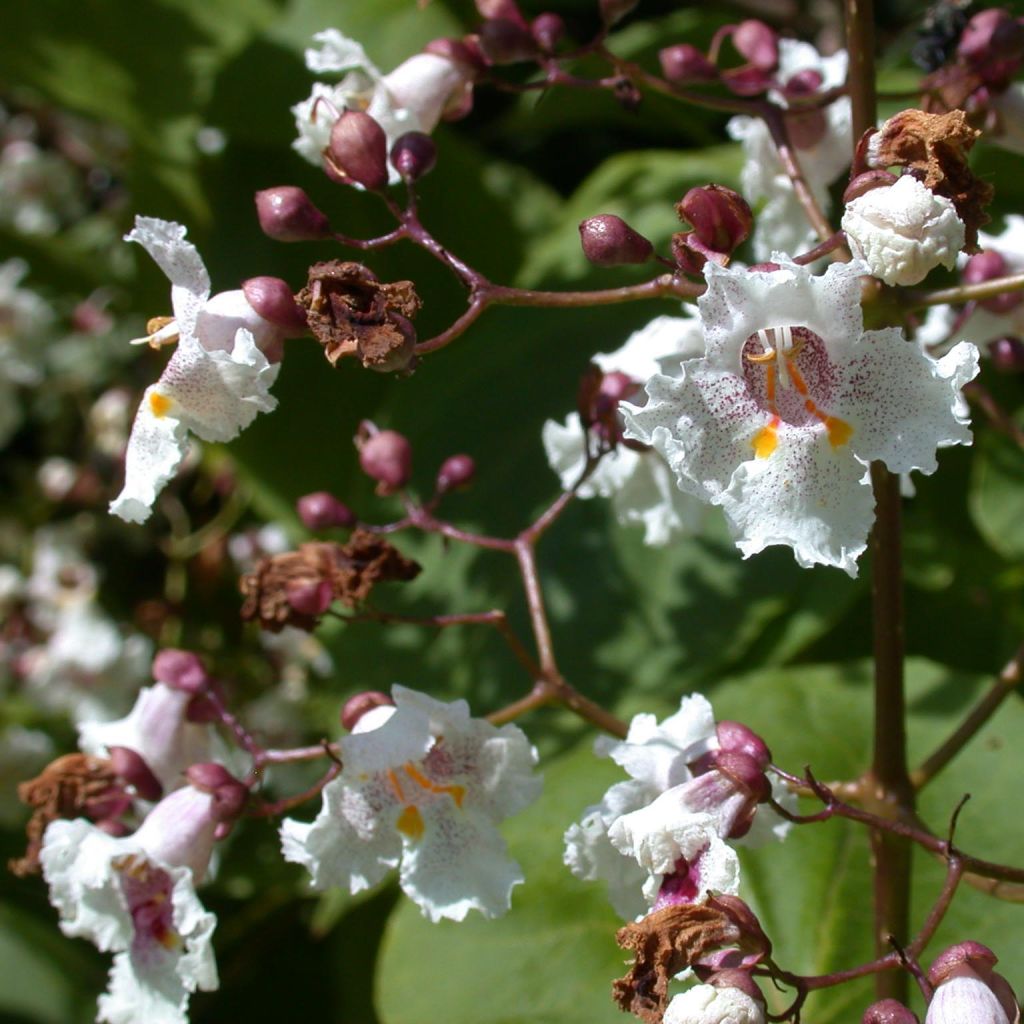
{"type": "Point", "coordinates": [889, 783]}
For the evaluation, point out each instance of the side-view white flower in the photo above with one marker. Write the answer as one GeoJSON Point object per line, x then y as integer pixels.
{"type": "Point", "coordinates": [639, 483]}
{"type": "Point", "coordinates": [214, 385]}
{"type": "Point", "coordinates": [422, 788]}
{"type": "Point", "coordinates": [778, 421]}
{"type": "Point", "coordinates": [412, 98]}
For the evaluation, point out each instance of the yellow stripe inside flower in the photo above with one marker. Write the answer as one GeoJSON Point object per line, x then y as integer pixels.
{"type": "Point", "coordinates": [160, 404]}
{"type": "Point", "coordinates": [410, 822]}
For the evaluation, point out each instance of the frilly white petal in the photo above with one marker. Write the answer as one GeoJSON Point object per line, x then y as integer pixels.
{"type": "Point", "coordinates": [337, 52]}
{"type": "Point", "coordinates": [707, 1004]}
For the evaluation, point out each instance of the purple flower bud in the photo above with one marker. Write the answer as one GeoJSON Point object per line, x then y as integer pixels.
{"type": "Point", "coordinates": [387, 458]}
{"type": "Point", "coordinates": [180, 670]}
{"type": "Point", "coordinates": [272, 299]}
{"type": "Point", "coordinates": [888, 1011]}
{"type": "Point", "coordinates": [229, 795]}
{"type": "Point", "coordinates": [615, 10]}
{"type": "Point", "coordinates": [132, 768]}
{"type": "Point", "coordinates": [806, 128]}
{"type": "Point", "coordinates": [984, 266]}
{"type": "Point", "coordinates": [547, 29]}
{"type": "Point", "coordinates": [747, 80]}
{"type": "Point", "coordinates": [506, 10]}
{"type": "Point", "coordinates": [455, 471]}
{"type": "Point", "coordinates": [1007, 354]}
{"type": "Point", "coordinates": [463, 52]}
{"type": "Point", "coordinates": [738, 738]}
{"type": "Point", "coordinates": [310, 597]}
{"type": "Point", "coordinates": [357, 706]}
{"type": "Point", "coordinates": [758, 43]}
{"type": "Point", "coordinates": [321, 510]}
{"type": "Point", "coordinates": [503, 41]}
{"type": "Point", "coordinates": [684, 63]}
{"type": "Point", "coordinates": [359, 149]}
{"type": "Point", "coordinates": [609, 241]}
{"type": "Point", "coordinates": [287, 214]}
{"type": "Point", "coordinates": [413, 155]}
{"type": "Point", "coordinates": [969, 952]}
{"type": "Point", "coordinates": [744, 771]}
{"type": "Point", "coordinates": [991, 36]}
{"type": "Point", "coordinates": [720, 217]}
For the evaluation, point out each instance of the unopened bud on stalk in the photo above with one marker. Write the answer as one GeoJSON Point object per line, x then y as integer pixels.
{"type": "Point", "coordinates": [503, 41]}
{"type": "Point", "coordinates": [615, 10]}
{"type": "Point", "coordinates": [229, 795]}
{"type": "Point", "coordinates": [758, 43]}
{"type": "Point", "coordinates": [548, 29]}
{"type": "Point", "coordinates": [132, 768]}
{"type": "Point", "coordinates": [738, 738]}
{"type": "Point", "coordinates": [465, 53]}
{"type": "Point", "coordinates": [808, 127]}
{"type": "Point", "coordinates": [456, 471]}
{"type": "Point", "coordinates": [609, 241]}
{"type": "Point", "coordinates": [321, 511]}
{"type": "Point", "coordinates": [888, 1011]}
{"type": "Point", "coordinates": [1007, 354]}
{"type": "Point", "coordinates": [360, 704]}
{"type": "Point", "coordinates": [359, 149]}
{"type": "Point", "coordinates": [272, 299]}
{"type": "Point", "coordinates": [287, 214]}
{"type": "Point", "coordinates": [720, 217]}
{"type": "Point", "coordinates": [180, 670]}
{"type": "Point", "coordinates": [413, 155]}
{"type": "Point", "coordinates": [387, 458]}
{"type": "Point", "coordinates": [984, 266]}
{"type": "Point", "coordinates": [684, 63]}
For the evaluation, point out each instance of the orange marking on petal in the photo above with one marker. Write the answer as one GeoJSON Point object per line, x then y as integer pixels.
{"type": "Point", "coordinates": [160, 404]}
{"type": "Point", "coordinates": [410, 822]}
{"type": "Point", "coordinates": [457, 793]}
{"type": "Point", "coordinates": [766, 439]}
{"type": "Point", "coordinates": [769, 386]}
{"type": "Point", "coordinates": [798, 381]}
{"type": "Point", "coordinates": [395, 784]}
{"type": "Point", "coordinates": [839, 431]}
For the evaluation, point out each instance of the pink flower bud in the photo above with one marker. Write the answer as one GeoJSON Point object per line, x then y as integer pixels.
{"type": "Point", "coordinates": [758, 43]}
{"type": "Point", "coordinates": [950, 959]}
{"type": "Point", "coordinates": [747, 80]}
{"type": "Point", "coordinates": [806, 128]}
{"type": "Point", "coordinates": [321, 511]}
{"type": "Point", "coordinates": [720, 217]}
{"type": "Point", "coordinates": [413, 155]}
{"type": "Point", "coordinates": [503, 41]}
{"type": "Point", "coordinates": [287, 214]}
{"type": "Point", "coordinates": [456, 471]}
{"type": "Point", "coordinates": [738, 738]}
{"type": "Point", "coordinates": [547, 29]}
{"type": "Point", "coordinates": [463, 52]}
{"type": "Point", "coordinates": [991, 36]}
{"type": "Point", "coordinates": [272, 299]}
{"type": "Point", "coordinates": [984, 266]}
{"type": "Point", "coordinates": [506, 10]}
{"type": "Point", "coordinates": [132, 768]}
{"type": "Point", "coordinates": [609, 241]}
{"type": "Point", "coordinates": [359, 149]}
{"type": "Point", "coordinates": [744, 771]}
{"type": "Point", "coordinates": [387, 458]}
{"type": "Point", "coordinates": [615, 10]}
{"type": "Point", "coordinates": [202, 711]}
{"type": "Point", "coordinates": [1007, 354]}
{"type": "Point", "coordinates": [684, 63]}
{"type": "Point", "coordinates": [359, 704]}
{"type": "Point", "coordinates": [229, 795]}
{"type": "Point", "coordinates": [888, 1011]}
{"type": "Point", "coordinates": [180, 670]}
{"type": "Point", "coordinates": [310, 597]}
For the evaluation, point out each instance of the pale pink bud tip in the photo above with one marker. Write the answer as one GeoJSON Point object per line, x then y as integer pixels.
{"type": "Point", "coordinates": [287, 214]}
{"type": "Point", "coordinates": [180, 670]}
{"type": "Point", "coordinates": [735, 978]}
{"type": "Point", "coordinates": [684, 63]}
{"type": "Point", "coordinates": [321, 511]}
{"type": "Point", "coordinates": [359, 149]}
{"type": "Point", "coordinates": [609, 241]}
{"type": "Point", "coordinates": [455, 471]}
{"type": "Point", "coordinates": [738, 738]}
{"type": "Point", "coordinates": [970, 952]}
{"type": "Point", "coordinates": [357, 706]}
{"type": "Point", "coordinates": [547, 30]}
{"type": "Point", "coordinates": [387, 458]}
{"type": "Point", "coordinates": [888, 1011]}
{"type": "Point", "coordinates": [132, 768]}
{"type": "Point", "coordinates": [758, 43]}
{"type": "Point", "coordinates": [1007, 354]}
{"type": "Point", "coordinates": [272, 299]}
{"type": "Point", "coordinates": [413, 155]}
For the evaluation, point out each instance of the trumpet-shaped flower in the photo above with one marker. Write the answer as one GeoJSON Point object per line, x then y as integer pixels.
{"type": "Point", "coordinates": [215, 383]}
{"type": "Point", "coordinates": [422, 788]}
{"type": "Point", "coordinates": [135, 897]}
{"type": "Point", "coordinates": [778, 421]}
{"type": "Point", "coordinates": [639, 483]}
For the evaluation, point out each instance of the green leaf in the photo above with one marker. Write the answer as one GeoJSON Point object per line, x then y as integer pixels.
{"type": "Point", "coordinates": [997, 494]}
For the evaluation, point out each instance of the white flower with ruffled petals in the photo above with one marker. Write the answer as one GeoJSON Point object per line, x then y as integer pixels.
{"type": "Point", "coordinates": [412, 98]}
{"type": "Point", "coordinates": [781, 222]}
{"type": "Point", "coordinates": [214, 385]}
{"type": "Point", "coordinates": [778, 422]}
{"type": "Point", "coordinates": [135, 896]}
{"type": "Point", "coordinates": [422, 788]}
{"type": "Point", "coordinates": [707, 1004]}
{"type": "Point", "coordinates": [639, 483]}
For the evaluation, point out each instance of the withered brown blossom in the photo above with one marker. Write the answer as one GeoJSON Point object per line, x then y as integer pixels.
{"type": "Point", "coordinates": [346, 572]}
{"type": "Point", "coordinates": [73, 786]}
{"type": "Point", "coordinates": [933, 147]}
{"type": "Point", "coordinates": [352, 313]}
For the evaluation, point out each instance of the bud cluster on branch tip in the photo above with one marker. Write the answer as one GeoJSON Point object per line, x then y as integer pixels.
{"type": "Point", "coordinates": [272, 299]}
{"type": "Point", "coordinates": [720, 221]}
{"type": "Point", "coordinates": [360, 704]}
{"type": "Point", "coordinates": [968, 990]}
{"type": "Point", "coordinates": [180, 670]}
{"type": "Point", "coordinates": [321, 510]}
{"type": "Point", "coordinates": [358, 151]}
{"type": "Point", "coordinates": [609, 241]}
{"type": "Point", "coordinates": [984, 266]}
{"type": "Point", "coordinates": [456, 471]}
{"type": "Point", "coordinates": [888, 1011]}
{"type": "Point", "coordinates": [385, 456]}
{"type": "Point", "coordinates": [413, 155]}
{"type": "Point", "coordinates": [287, 214]}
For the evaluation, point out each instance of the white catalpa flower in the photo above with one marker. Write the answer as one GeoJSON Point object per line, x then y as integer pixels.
{"type": "Point", "coordinates": [903, 230]}
{"type": "Point", "coordinates": [135, 897]}
{"type": "Point", "coordinates": [781, 222]}
{"type": "Point", "coordinates": [422, 788]}
{"type": "Point", "coordinates": [778, 422]}
{"type": "Point", "coordinates": [214, 385]}
{"type": "Point", "coordinates": [706, 1004]}
{"type": "Point", "coordinates": [412, 98]}
{"type": "Point", "coordinates": [640, 485]}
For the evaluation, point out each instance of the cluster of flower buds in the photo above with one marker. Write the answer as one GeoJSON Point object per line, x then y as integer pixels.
{"type": "Point", "coordinates": [756, 42]}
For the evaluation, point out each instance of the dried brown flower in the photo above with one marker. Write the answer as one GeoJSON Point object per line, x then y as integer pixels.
{"type": "Point", "coordinates": [368, 559]}
{"type": "Point", "coordinates": [73, 786]}
{"type": "Point", "coordinates": [352, 313]}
